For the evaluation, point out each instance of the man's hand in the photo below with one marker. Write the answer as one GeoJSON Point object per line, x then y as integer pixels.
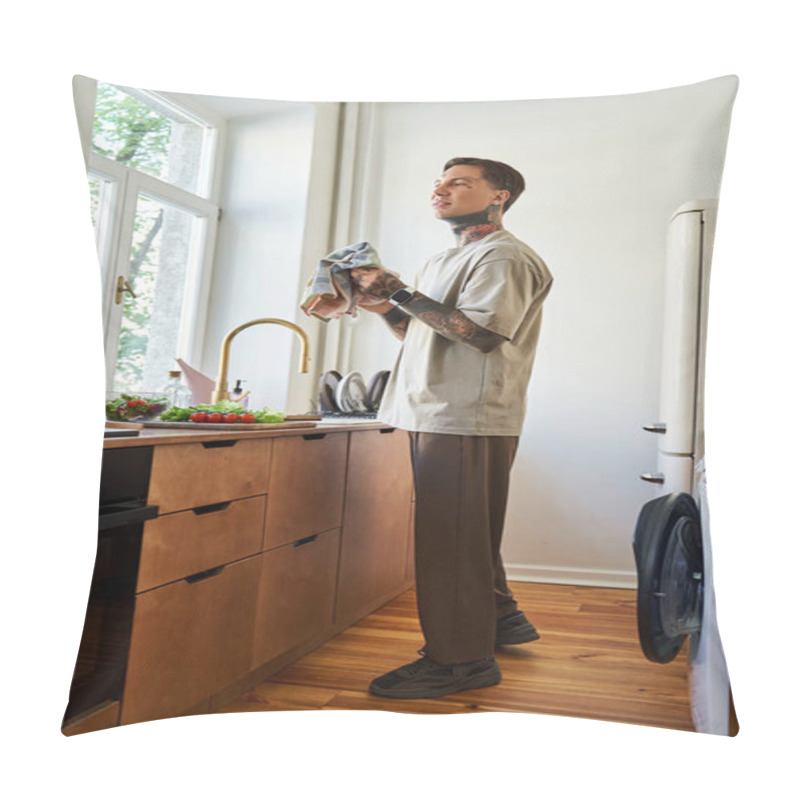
{"type": "Point", "coordinates": [375, 282]}
{"type": "Point", "coordinates": [381, 281]}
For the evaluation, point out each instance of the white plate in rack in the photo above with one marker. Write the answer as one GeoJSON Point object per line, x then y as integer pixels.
{"type": "Point", "coordinates": [327, 390]}
{"type": "Point", "coordinates": [351, 393]}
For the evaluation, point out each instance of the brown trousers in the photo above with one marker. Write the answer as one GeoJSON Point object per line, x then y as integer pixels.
{"type": "Point", "coordinates": [461, 486]}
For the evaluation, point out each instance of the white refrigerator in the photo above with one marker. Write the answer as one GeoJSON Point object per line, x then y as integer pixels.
{"type": "Point", "coordinates": [679, 434]}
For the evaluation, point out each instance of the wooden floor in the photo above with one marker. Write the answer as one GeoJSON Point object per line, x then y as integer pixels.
{"type": "Point", "coordinates": [588, 663]}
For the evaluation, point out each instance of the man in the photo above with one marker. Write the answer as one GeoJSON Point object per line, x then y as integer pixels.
{"type": "Point", "coordinates": [469, 325]}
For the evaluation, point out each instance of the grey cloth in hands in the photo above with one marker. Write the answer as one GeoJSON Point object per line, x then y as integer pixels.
{"type": "Point", "coordinates": [330, 292]}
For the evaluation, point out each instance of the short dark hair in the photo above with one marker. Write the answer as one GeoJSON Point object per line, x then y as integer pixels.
{"type": "Point", "coordinates": [500, 175]}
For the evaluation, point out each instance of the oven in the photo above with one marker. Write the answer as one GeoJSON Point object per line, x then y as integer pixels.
{"type": "Point", "coordinates": [99, 674]}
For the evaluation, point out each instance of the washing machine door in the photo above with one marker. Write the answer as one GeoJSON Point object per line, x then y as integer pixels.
{"type": "Point", "coordinates": [668, 547]}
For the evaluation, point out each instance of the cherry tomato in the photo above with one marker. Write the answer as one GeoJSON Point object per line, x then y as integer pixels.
{"type": "Point", "coordinates": [232, 417]}
{"type": "Point", "coordinates": [247, 418]}
{"type": "Point", "coordinates": [215, 417]}
{"type": "Point", "coordinates": [133, 403]}
{"type": "Point", "coordinates": [198, 416]}
{"type": "Point", "coordinates": [142, 402]}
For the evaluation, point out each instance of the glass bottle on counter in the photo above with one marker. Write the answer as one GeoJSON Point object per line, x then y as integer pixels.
{"type": "Point", "coordinates": [176, 393]}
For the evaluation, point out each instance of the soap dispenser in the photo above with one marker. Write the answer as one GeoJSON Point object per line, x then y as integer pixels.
{"type": "Point", "coordinates": [239, 395]}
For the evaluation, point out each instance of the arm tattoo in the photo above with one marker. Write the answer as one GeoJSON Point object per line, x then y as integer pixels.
{"type": "Point", "coordinates": [453, 324]}
{"type": "Point", "coordinates": [397, 321]}
{"type": "Point", "coordinates": [449, 322]}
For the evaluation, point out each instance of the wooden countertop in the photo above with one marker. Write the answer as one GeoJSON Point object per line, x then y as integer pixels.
{"type": "Point", "coordinates": [154, 436]}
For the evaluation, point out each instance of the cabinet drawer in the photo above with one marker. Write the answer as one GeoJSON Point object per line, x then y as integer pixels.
{"type": "Point", "coordinates": [306, 487]}
{"type": "Point", "coordinates": [189, 542]}
{"type": "Point", "coordinates": [201, 473]}
{"type": "Point", "coordinates": [190, 640]}
{"type": "Point", "coordinates": [296, 595]}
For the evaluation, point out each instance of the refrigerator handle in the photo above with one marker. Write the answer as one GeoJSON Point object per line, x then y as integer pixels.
{"type": "Point", "coordinates": [653, 477]}
{"type": "Point", "coordinates": [656, 427]}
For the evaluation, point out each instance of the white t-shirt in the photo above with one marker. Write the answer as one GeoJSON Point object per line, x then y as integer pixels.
{"type": "Point", "coordinates": [441, 386]}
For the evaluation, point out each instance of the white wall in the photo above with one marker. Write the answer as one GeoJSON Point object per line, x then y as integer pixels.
{"type": "Point", "coordinates": [603, 176]}
{"type": "Point", "coordinates": [258, 257]}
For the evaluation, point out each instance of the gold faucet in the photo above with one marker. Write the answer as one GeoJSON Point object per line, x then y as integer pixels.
{"type": "Point", "coordinates": [221, 389]}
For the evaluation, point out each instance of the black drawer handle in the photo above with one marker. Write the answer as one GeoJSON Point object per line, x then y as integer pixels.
{"type": "Point", "coordinates": [314, 435]}
{"type": "Point", "coordinates": [223, 443]}
{"type": "Point", "coordinates": [211, 507]}
{"type": "Point", "coordinates": [201, 576]}
{"type": "Point", "coordinates": [388, 430]}
{"type": "Point", "coordinates": [307, 540]}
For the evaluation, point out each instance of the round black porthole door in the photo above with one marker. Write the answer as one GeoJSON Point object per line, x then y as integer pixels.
{"type": "Point", "coordinates": [668, 546]}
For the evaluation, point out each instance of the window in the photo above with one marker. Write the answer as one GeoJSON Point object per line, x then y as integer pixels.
{"type": "Point", "coordinates": [148, 134]}
{"type": "Point", "coordinates": [150, 184]}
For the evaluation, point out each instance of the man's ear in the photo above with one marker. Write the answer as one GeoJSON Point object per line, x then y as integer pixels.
{"type": "Point", "coordinates": [501, 197]}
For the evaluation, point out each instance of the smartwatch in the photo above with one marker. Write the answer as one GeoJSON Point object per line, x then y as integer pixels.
{"type": "Point", "coordinates": [400, 297]}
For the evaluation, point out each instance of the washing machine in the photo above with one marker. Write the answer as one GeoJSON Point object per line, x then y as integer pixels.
{"type": "Point", "coordinates": [675, 600]}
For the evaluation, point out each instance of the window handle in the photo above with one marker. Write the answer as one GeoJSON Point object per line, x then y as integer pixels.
{"type": "Point", "coordinates": [122, 287]}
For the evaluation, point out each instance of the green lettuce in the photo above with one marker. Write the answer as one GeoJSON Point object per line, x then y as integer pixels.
{"type": "Point", "coordinates": [177, 414]}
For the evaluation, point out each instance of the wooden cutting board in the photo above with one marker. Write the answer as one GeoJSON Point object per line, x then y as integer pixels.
{"type": "Point", "coordinates": [290, 421]}
{"type": "Point", "coordinates": [231, 426]}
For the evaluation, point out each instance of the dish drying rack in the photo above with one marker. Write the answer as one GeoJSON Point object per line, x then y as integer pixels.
{"type": "Point", "coordinates": [349, 397]}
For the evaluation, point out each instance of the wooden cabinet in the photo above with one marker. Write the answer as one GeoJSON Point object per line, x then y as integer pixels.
{"type": "Point", "coordinates": [198, 576]}
{"type": "Point", "coordinates": [204, 473]}
{"type": "Point", "coordinates": [376, 528]}
{"type": "Point", "coordinates": [190, 639]}
{"type": "Point", "coordinates": [187, 542]}
{"type": "Point", "coordinates": [301, 537]}
{"type": "Point", "coordinates": [98, 719]}
{"type": "Point", "coordinates": [262, 549]}
{"type": "Point", "coordinates": [306, 486]}
{"type": "Point", "coordinates": [296, 593]}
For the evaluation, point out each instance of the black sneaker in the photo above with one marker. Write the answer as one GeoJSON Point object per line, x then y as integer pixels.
{"type": "Point", "coordinates": [425, 678]}
{"type": "Point", "coordinates": [515, 629]}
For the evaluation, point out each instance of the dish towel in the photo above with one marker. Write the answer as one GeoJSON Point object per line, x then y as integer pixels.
{"type": "Point", "coordinates": [329, 292]}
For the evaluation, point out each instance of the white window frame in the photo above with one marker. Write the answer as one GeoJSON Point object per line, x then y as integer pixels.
{"type": "Point", "coordinates": [114, 252]}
